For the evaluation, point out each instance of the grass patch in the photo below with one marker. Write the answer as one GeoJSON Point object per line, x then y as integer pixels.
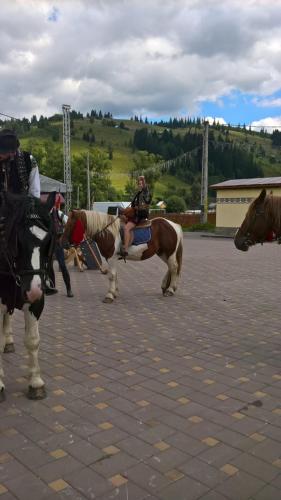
{"type": "Point", "coordinates": [207, 226]}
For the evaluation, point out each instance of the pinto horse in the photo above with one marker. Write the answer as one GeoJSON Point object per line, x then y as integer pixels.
{"type": "Point", "coordinates": [25, 242]}
{"type": "Point", "coordinates": [262, 219]}
{"type": "Point", "coordinates": [166, 242]}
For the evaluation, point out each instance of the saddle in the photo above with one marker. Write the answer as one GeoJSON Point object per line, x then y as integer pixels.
{"type": "Point", "coordinates": [142, 232]}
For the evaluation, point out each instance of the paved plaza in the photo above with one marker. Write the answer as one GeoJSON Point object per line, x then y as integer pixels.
{"type": "Point", "coordinates": [171, 398]}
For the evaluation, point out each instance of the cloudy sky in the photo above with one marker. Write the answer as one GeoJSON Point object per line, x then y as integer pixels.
{"type": "Point", "coordinates": [157, 58]}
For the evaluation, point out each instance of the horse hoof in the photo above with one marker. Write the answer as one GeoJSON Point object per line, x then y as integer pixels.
{"type": "Point", "coordinates": [2, 395]}
{"type": "Point", "coordinates": [168, 293]}
{"type": "Point", "coordinates": [36, 392]}
{"type": "Point", "coordinates": [107, 300]}
{"type": "Point", "coordinates": [9, 348]}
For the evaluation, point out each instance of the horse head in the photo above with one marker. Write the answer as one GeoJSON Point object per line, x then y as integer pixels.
{"type": "Point", "coordinates": [26, 238]}
{"type": "Point", "coordinates": [73, 226]}
{"type": "Point", "coordinates": [257, 224]}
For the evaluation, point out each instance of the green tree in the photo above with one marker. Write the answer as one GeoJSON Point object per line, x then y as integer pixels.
{"type": "Point", "coordinates": [148, 165]}
{"type": "Point", "coordinates": [100, 184]}
{"type": "Point", "coordinates": [195, 195]}
{"type": "Point", "coordinates": [175, 204]}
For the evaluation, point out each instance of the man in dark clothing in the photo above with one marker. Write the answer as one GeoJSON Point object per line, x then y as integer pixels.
{"type": "Point", "coordinates": [140, 204]}
{"type": "Point", "coordinates": [19, 171]}
{"type": "Point", "coordinates": [59, 220]}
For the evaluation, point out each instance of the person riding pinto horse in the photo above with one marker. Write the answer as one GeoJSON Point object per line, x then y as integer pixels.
{"type": "Point", "coordinates": [138, 211]}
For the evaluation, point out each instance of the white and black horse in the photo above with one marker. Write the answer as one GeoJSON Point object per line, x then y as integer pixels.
{"type": "Point", "coordinates": [25, 241]}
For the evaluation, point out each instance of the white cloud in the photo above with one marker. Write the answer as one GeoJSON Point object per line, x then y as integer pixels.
{"type": "Point", "coordinates": [269, 124]}
{"type": "Point", "coordinates": [268, 103]}
{"type": "Point", "coordinates": [216, 119]}
{"type": "Point", "coordinates": [131, 56]}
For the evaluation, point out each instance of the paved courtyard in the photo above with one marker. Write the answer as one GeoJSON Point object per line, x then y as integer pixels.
{"type": "Point", "coordinates": [151, 397]}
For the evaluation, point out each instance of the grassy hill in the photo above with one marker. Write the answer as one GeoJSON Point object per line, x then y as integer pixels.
{"type": "Point", "coordinates": [117, 144]}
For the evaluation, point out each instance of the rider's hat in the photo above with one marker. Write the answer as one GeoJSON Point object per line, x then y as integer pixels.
{"type": "Point", "coordinates": [8, 141]}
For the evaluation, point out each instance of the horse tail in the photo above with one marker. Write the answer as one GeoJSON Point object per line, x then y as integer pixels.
{"type": "Point", "coordinates": [179, 254]}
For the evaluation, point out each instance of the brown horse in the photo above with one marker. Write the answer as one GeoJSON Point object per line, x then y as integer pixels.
{"type": "Point", "coordinates": [166, 242]}
{"type": "Point", "coordinates": [262, 218]}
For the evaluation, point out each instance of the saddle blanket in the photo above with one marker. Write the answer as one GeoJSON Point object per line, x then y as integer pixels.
{"type": "Point", "coordinates": [141, 235]}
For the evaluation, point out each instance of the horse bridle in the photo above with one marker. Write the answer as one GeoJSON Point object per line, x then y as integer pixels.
{"type": "Point", "coordinates": [252, 241]}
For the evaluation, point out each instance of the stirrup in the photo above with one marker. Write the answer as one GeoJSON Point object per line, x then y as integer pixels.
{"type": "Point", "coordinates": [123, 253]}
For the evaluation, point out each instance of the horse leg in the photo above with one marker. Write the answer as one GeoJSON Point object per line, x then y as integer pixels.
{"type": "Point", "coordinates": [8, 333]}
{"type": "Point", "coordinates": [113, 289]}
{"type": "Point", "coordinates": [36, 389]}
{"type": "Point", "coordinates": [169, 282]}
{"type": "Point", "coordinates": [2, 343]}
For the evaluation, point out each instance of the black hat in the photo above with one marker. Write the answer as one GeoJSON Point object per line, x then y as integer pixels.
{"type": "Point", "coordinates": [8, 141]}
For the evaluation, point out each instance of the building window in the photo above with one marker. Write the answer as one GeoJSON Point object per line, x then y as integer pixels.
{"type": "Point", "coordinates": [234, 200]}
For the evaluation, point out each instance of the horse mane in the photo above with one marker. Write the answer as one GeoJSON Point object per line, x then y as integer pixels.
{"type": "Point", "coordinates": [272, 208]}
{"type": "Point", "coordinates": [98, 222]}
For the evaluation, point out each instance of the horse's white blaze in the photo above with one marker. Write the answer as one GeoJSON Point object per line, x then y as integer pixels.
{"type": "Point", "coordinates": [38, 232]}
{"type": "Point", "coordinates": [35, 292]}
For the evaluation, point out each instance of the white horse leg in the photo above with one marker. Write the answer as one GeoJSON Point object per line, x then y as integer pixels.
{"type": "Point", "coordinates": [173, 268]}
{"type": "Point", "coordinates": [113, 289]}
{"type": "Point", "coordinates": [8, 333]}
{"type": "Point", "coordinates": [31, 342]}
{"type": "Point", "coordinates": [2, 343]}
{"type": "Point", "coordinates": [174, 262]}
{"type": "Point", "coordinates": [169, 282]}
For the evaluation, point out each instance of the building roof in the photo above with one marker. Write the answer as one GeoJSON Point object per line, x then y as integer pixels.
{"type": "Point", "coordinates": [257, 182]}
{"type": "Point", "coordinates": [48, 185]}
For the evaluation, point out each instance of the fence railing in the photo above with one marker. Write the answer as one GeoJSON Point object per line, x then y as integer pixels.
{"type": "Point", "coordinates": [185, 220]}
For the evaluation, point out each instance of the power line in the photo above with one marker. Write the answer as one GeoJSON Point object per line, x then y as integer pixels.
{"type": "Point", "coordinates": [11, 117]}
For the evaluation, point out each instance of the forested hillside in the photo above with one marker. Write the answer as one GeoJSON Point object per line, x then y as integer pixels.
{"type": "Point", "coordinates": [119, 149]}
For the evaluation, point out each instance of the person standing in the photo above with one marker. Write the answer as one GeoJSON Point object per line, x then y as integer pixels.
{"type": "Point", "coordinates": [59, 221]}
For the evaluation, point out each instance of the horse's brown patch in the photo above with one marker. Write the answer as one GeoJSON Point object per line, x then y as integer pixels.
{"type": "Point", "coordinates": [105, 242]}
{"type": "Point", "coordinates": [163, 235]}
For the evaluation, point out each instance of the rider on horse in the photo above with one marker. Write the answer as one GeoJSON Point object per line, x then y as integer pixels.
{"type": "Point", "coordinates": [138, 211]}
{"type": "Point", "coordinates": [19, 171]}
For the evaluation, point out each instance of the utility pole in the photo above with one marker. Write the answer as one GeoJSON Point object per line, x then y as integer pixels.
{"type": "Point", "coordinates": [78, 196]}
{"type": "Point", "coordinates": [66, 155]}
{"type": "Point", "coordinates": [88, 183]}
{"type": "Point", "coordinates": [204, 178]}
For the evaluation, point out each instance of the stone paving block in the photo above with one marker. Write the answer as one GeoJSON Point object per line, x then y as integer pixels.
{"type": "Point", "coordinates": [186, 444]}
{"type": "Point", "coordinates": [111, 465]}
{"type": "Point", "coordinates": [268, 492]}
{"type": "Point", "coordinates": [256, 467]}
{"type": "Point", "coordinates": [27, 487]}
{"type": "Point", "coordinates": [85, 452]}
{"type": "Point", "coordinates": [183, 489]}
{"type": "Point", "coordinates": [148, 478]}
{"type": "Point", "coordinates": [136, 447]}
{"type": "Point", "coordinates": [58, 468]}
{"type": "Point", "coordinates": [127, 491]}
{"type": "Point", "coordinates": [167, 460]}
{"type": "Point", "coordinates": [200, 471]}
{"type": "Point", "coordinates": [241, 485]}
{"type": "Point", "coordinates": [88, 482]}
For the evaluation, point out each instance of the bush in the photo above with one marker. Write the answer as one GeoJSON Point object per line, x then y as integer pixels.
{"type": "Point", "coordinates": [175, 204]}
{"type": "Point", "coordinates": [207, 226]}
